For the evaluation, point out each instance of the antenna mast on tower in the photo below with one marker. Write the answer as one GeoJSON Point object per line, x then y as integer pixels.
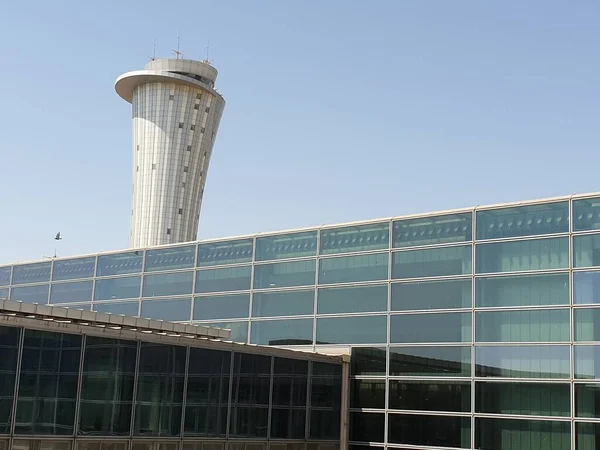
{"type": "Point", "coordinates": [178, 53]}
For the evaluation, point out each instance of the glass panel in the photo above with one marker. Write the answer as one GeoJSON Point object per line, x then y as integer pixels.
{"type": "Point", "coordinates": [368, 361]}
{"type": "Point", "coordinates": [282, 332]}
{"type": "Point", "coordinates": [207, 393]}
{"type": "Point", "coordinates": [31, 273]}
{"type": "Point", "coordinates": [102, 445]}
{"type": "Point", "coordinates": [587, 361]}
{"type": "Point", "coordinates": [349, 269]}
{"type": "Point", "coordinates": [545, 325]}
{"type": "Point", "coordinates": [174, 310]}
{"type": "Point", "coordinates": [290, 389]}
{"type": "Point", "coordinates": [72, 269]}
{"type": "Point", "coordinates": [436, 431]}
{"type": "Point", "coordinates": [432, 262]}
{"type": "Point", "coordinates": [587, 436]}
{"type": "Point", "coordinates": [433, 230]}
{"type": "Point", "coordinates": [170, 258]}
{"type": "Point", "coordinates": [519, 221]}
{"type": "Point", "coordinates": [325, 401]}
{"type": "Point", "coordinates": [223, 280]}
{"type": "Point", "coordinates": [355, 238]}
{"type": "Point", "coordinates": [115, 288]}
{"type": "Point", "coordinates": [30, 294]}
{"type": "Point", "coordinates": [221, 307]}
{"type": "Point", "coordinates": [48, 383]}
{"type": "Point", "coordinates": [168, 284]}
{"type": "Point", "coordinates": [122, 308]}
{"type": "Point", "coordinates": [9, 349]}
{"type": "Point", "coordinates": [430, 395]}
{"type": "Point", "coordinates": [80, 291]}
{"type": "Point", "coordinates": [239, 330]}
{"type": "Point", "coordinates": [4, 293]}
{"type": "Point", "coordinates": [287, 423]}
{"type": "Point", "coordinates": [352, 330]}
{"type": "Point", "coordinates": [353, 299]}
{"type": "Point", "coordinates": [5, 276]}
{"type": "Point", "coordinates": [586, 288]}
{"type": "Point", "coordinates": [586, 251]}
{"type": "Point", "coordinates": [447, 294]}
{"type": "Point", "coordinates": [523, 290]}
{"type": "Point", "coordinates": [587, 324]}
{"type": "Point", "coordinates": [120, 264]}
{"type": "Point", "coordinates": [443, 327]}
{"type": "Point", "coordinates": [367, 427]}
{"type": "Point", "coordinates": [430, 361]}
{"type": "Point", "coordinates": [38, 444]}
{"type": "Point", "coordinates": [288, 274]}
{"type": "Point", "coordinates": [523, 361]}
{"type": "Point", "coordinates": [527, 399]}
{"type": "Point", "coordinates": [587, 400]}
{"type": "Point", "coordinates": [286, 303]}
{"type": "Point", "coordinates": [367, 394]}
{"type": "Point", "coordinates": [227, 252]}
{"type": "Point", "coordinates": [510, 434]}
{"type": "Point", "coordinates": [535, 254]}
{"type": "Point", "coordinates": [107, 387]}
{"type": "Point", "coordinates": [586, 214]}
{"type": "Point", "coordinates": [159, 390]}
{"type": "Point", "coordinates": [286, 246]}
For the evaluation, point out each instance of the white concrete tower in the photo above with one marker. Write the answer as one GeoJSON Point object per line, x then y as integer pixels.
{"type": "Point", "coordinates": [176, 115]}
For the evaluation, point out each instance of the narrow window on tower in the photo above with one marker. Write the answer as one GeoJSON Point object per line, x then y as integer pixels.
{"type": "Point", "coordinates": [153, 166]}
{"type": "Point", "coordinates": [183, 184]}
{"type": "Point", "coordinates": [197, 106]}
{"type": "Point", "coordinates": [168, 231]}
{"type": "Point", "coordinates": [198, 95]}
{"type": "Point", "coordinates": [207, 109]}
{"type": "Point", "coordinates": [180, 124]}
{"type": "Point", "coordinates": [202, 130]}
{"type": "Point", "coordinates": [180, 210]}
{"type": "Point", "coordinates": [192, 127]}
{"type": "Point", "coordinates": [189, 148]}
{"type": "Point", "coordinates": [171, 97]}
{"type": "Point", "coordinates": [185, 169]}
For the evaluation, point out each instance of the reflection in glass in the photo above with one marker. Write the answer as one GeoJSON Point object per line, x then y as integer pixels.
{"type": "Point", "coordinates": [433, 230]}
{"type": "Point", "coordinates": [4, 292]}
{"type": "Point", "coordinates": [542, 325]}
{"type": "Point", "coordinates": [287, 274]}
{"type": "Point", "coordinates": [587, 361]}
{"type": "Point", "coordinates": [116, 288]}
{"type": "Point", "coordinates": [367, 394]}
{"type": "Point", "coordinates": [352, 330]}
{"type": "Point", "coordinates": [221, 307]}
{"type": "Point", "coordinates": [9, 348]}
{"type": "Point", "coordinates": [367, 427]}
{"type": "Point", "coordinates": [423, 328]}
{"type": "Point", "coordinates": [586, 288]}
{"type": "Point", "coordinates": [446, 294]}
{"type": "Point", "coordinates": [587, 400]}
{"type": "Point", "coordinates": [430, 361]}
{"type": "Point", "coordinates": [239, 330]}
{"type": "Point", "coordinates": [282, 246]}
{"type": "Point", "coordinates": [438, 431]}
{"type": "Point", "coordinates": [325, 401]}
{"type": "Point", "coordinates": [32, 273]}
{"type": "Point", "coordinates": [223, 280]}
{"type": "Point", "coordinates": [432, 262]}
{"type": "Point", "coordinates": [122, 308]}
{"type": "Point", "coordinates": [529, 399]}
{"type": "Point", "coordinates": [290, 388]}
{"type": "Point", "coordinates": [356, 238]}
{"type": "Point", "coordinates": [159, 285]}
{"type": "Point", "coordinates": [587, 324]}
{"type": "Point", "coordinates": [523, 361]}
{"type": "Point", "coordinates": [282, 332]}
{"type": "Point", "coordinates": [71, 269]}
{"type": "Point", "coordinates": [284, 303]}
{"type": "Point", "coordinates": [5, 276]}
{"type": "Point", "coordinates": [355, 299]}
{"type": "Point", "coordinates": [173, 310]}
{"type": "Point", "coordinates": [368, 361]}
{"type": "Point", "coordinates": [347, 269]}
{"type": "Point", "coordinates": [30, 294]}
{"type": "Point", "coordinates": [170, 258]}
{"type": "Point", "coordinates": [224, 252]}
{"type": "Point", "coordinates": [79, 291]}
{"type": "Point", "coordinates": [516, 434]}
{"type": "Point", "coordinates": [523, 290]}
{"type": "Point", "coordinates": [430, 395]}
{"type": "Point", "coordinates": [586, 251]}
{"type": "Point", "coordinates": [586, 214]}
{"type": "Point", "coordinates": [120, 263]}
{"type": "Point", "coordinates": [587, 436]}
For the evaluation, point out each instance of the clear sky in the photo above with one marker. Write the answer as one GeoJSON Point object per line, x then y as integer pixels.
{"type": "Point", "coordinates": [336, 110]}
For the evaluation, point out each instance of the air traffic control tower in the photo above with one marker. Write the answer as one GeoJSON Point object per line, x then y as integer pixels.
{"type": "Point", "coordinates": [176, 115]}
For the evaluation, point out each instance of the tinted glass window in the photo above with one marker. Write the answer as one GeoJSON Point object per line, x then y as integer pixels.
{"type": "Point", "coordinates": [120, 263]}
{"type": "Point", "coordinates": [367, 427]}
{"type": "Point", "coordinates": [587, 400]}
{"type": "Point", "coordinates": [513, 434]}
{"type": "Point", "coordinates": [30, 294]}
{"type": "Point", "coordinates": [168, 284]}
{"type": "Point", "coordinates": [367, 394]}
{"type": "Point", "coordinates": [221, 307]}
{"type": "Point", "coordinates": [436, 431]}
{"type": "Point", "coordinates": [587, 361]}
{"type": "Point", "coordinates": [286, 246]}
{"type": "Point", "coordinates": [349, 269]}
{"type": "Point", "coordinates": [9, 348]}
{"type": "Point", "coordinates": [5, 276]}
{"type": "Point", "coordinates": [290, 383]}
{"type": "Point", "coordinates": [122, 308]}
{"type": "Point", "coordinates": [586, 214]}
{"type": "Point", "coordinates": [430, 361]}
{"type": "Point", "coordinates": [433, 230]}
{"type": "Point", "coordinates": [586, 251]}
{"type": "Point", "coordinates": [353, 299]}
{"type": "Point", "coordinates": [239, 330]}
{"type": "Point", "coordinates": [223, 280]}
{"type": "Point", "coordinates": [32, 273]}
{"type": "Point", "coordinates": [432, 262]}
{"type": "Point", "coordinates": [368, 361]}
{"type": "Point", "coordinates": [523, 361]}
{"type": "Point", "coordinates": [115, 288]}
{"type": "Point", "coordinates": [443, 327]}
{"type": "Point", "coordinates": [536, 254]}
{"type": "Point", "coordinates": [282, 332]}
{"type": "Point", "coordinates": [523, 221]}
{"type": "Point", "coordinates": [74, 268]}
{"type": "Point", "coordinates": [529, 399]}
{"type": "Point", "coordinates": [528, 290]}
{"type": "Point", "coordinates": [285, 303]}
{"type": "Point", "coordinates": [4, 293]}
{"type": "Point", "coordinates": [445, 294]}
{"type": "Point", "coordinates": [586, 288]}
{"type": "Point", "coordinates": [80, 291]}
{"type": "Point", "coordinates": [325, 401]}
{"type": "Point", "coordinates": [586, 437]}
{"type": "Point", "coordinates": [587, 324]}
{"type": "Point", "coordinates": [547, 325]}
{"type": "Point", "coordinates": [355, 238]}
{"type": "Point", "coordinates": [170, 258]}
{"type": "Point", "coordinates": [173, 310]}
{"type": "Point", "coordinates": [430, 395]}
{"type": "Point", "coordinates": [352, 330]}
{"type": "Point", "coordinates": [227, 252]}
{"type": "Point", "coordinates": [288, 274]}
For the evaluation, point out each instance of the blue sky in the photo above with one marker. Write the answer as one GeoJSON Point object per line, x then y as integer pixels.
{"type": "Point", "coordinates": [336, 110]}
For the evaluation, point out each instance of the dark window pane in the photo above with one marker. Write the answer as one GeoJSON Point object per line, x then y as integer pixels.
{"type": "Point", "coordinates": [519, 221]}
{"type": "Point", "coordinates": [9, 348]}
{"type": "Point", "coordinates": [285, 303]}
{"type": "Point", "coordinates": [587, 324]}
{"type": "Point", "coordinates": [226, 252]}
{"type": "Point", "coordinates": [586, 214]}
{"type": "Point", "coordinates": [286, 246]}
{"type": "Point", "coordinates": [523, 361]}
{"type": "Point", "coordinates": [528, 399]}
{"type": "Point", "coordinates": [288, 423]}
{"type": "Point", "coordinates": [168, 284]}
{"type": "Point", "coordinates": [367, 394]}
{"type": "Point", "coordinates": [430, 430]}
{"type": "Point", "coordinates": [72, 269]}
{"type": "Point", "coordinates": [352, 330]}
{"type": "Point", "coordinates": [122, 308]}
{"type": "Point", "coordinates": [546, 325]}
{"type": "Point", "coordinates": [535, 254]}
{"type": "Point", "coordinates": [324, 424]}
{"type": "Point", "coordinates": [430, 361]}
{"type": "Point", "coordinates": [31, 273]}
{"type": "Point", "coordinates": [290, 383]}
{"type": "Point", "coordinates": [432, 262]}
{"type": "Point", "coordinates": [170, 258]}
{"type": "Point", "coordinates": [325, 401]}
{"type": "Point", "coordinates": [80, 291]}
{"type": "Point", "coordinates": [239, 330]}
{"type": "Point", "coordinates": [430, 395]}
{"type": "Point", "coordinates": [517, 434]}
{"type": "Point", "coordinates": [353, 299]}
{"type": "Point", "coordinates": [587, 400]}
{"type": "Point", "coordinates": [355, 238]}
{"type": "Point", "coordinates": [368, 361]}
{"type": "Point", "coordinates": [223, 280]}
{"type": "Point", "coordinates": [447, 294]}
{"type": "Point", "coordinates": [287, 274]}
{"type": "Point", "coordinates": [586, 288]}
{"type": "Point", "coordinates": [347, 269]}
{"type": "Point", "coordinates": [524, 290]}
{"type": "Point", "coordinates": [30, 294]}
{"type": "Point", "coordinates": [221, 307]}
{"type": "Point", "coordinates": [120, 263]}
{"type": "Point", "coordinates": [587, 436]}
{"type": "Point", "coordinates": [173, 310]}
{"type": "Point", "coordinates": [282, 332]}
{"type": "Point", "coordinates": [367, 427]}
{"type": "Point", "coordinates": [439, 327]}
{"type": "Point", "coordinates": [5, 276]}
{"type": "Point", "coordinates": [125, 287]}
{"type": "Point", "coordinates": [433, 230]}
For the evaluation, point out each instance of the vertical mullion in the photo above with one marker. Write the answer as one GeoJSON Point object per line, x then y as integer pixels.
{"type": "Point", "coordinates": [572, 323]}
{"type": "Point", "coordinates": [316, 292]}
{"type": "Point", "coordinates": [184, 399]}
{"type": "Point", "coordinates": [473, 315]}
{"type": "Point", "coordinates": [135, 387]}
{"type": "Point", "coordinates": [230, 396]}
{"type": "Point", "coordinates": [142, 276]}
{"type": "Point", "coordinates": [79, 386]}
{"type": "Point", "coordinates": [308, 395]}
{"type": "Point", "coordinates": [388, 337]}
{"type": "Point", "coordinates": [251, 299]}
{"type": "Point", "coordinates": [270, 397]}
{"type": "Point", "coordinates": [194, 283]}
{"type": "Point", "coordinates": [13, 417]}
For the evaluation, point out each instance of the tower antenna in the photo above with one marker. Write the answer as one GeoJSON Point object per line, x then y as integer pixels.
{"type": "Point", "coordinates": [153, 57]}
{"type": "Point", "coordinates": [207, 50]}
{"type": "Point", "coordinates": [178, 53]}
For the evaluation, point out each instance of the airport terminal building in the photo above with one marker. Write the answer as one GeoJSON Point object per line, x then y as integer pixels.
{"type": "Point", "coordinates": [476, 328]}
